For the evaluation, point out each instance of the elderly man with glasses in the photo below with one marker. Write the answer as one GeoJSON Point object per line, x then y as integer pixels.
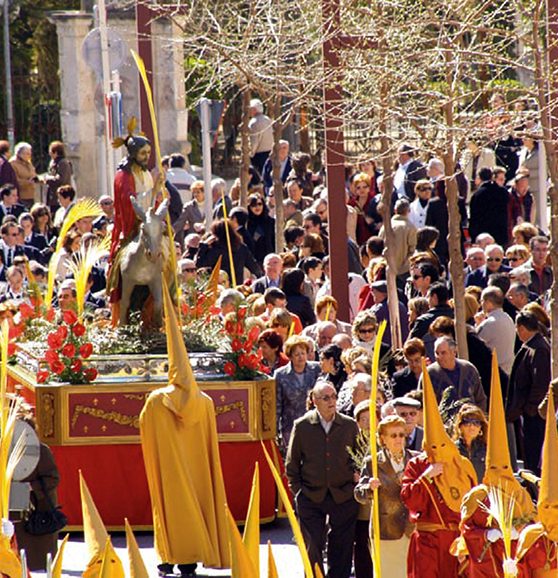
{"type": "Point", "coordinates": [321, 478]}
{"type": "Point", "coordinates": [494, 264]}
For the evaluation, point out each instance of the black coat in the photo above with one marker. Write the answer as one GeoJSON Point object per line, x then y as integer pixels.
{"type": "Point", "coordinates": [489, 212]}
{"type": "Point", "coordinates": [529, 378]}
{"type": "Point", "coordinates": [262, 232]}
{"type": "Point", "coordinates": [402, 382]}
{"type": "Point", "coordinates": [437, 216]}
{"type": "Point", "coordinates": [415, 172]}
{"type": "Point", "coordinates": [301, 306]}
{"type": "Point", "coordinates": [209, 253]}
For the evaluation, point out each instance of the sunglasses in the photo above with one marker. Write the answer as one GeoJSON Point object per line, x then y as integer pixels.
{"type": "Point", "coordinates": [331, 397]}
{"type": "Point", "coordinates": [415, 277]}
{"type": "Point", "coordinates": [471, 422]}
{"type": "Point", "coordinates": [494, 259]}
{"type": "Point", "coordinates": [366, 330]}
{"type": "Point", "coordinates": [513, 259]}
{"type": "Point", "coordinates": [396, 435]}
{"type": "Point", "coordinates": [407, 414]}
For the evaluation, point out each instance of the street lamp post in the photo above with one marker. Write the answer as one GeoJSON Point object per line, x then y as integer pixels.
{"type": "Point", "coordinates": [8, 74]}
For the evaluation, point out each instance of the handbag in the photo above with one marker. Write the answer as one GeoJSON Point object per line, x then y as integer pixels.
{"type": "Point", "coordinates": [50, 521]}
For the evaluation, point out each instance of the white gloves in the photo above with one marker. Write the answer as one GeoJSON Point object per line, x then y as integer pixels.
{"type": "Point", "coordinates": [493, 535]}
{"type": "Point", "coordinates": [8, 528]}
{"type": "Point", "coordinates": [510, 567]}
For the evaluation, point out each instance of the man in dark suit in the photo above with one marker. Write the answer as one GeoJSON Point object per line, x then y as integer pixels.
{"type": "Point", "coordinates": [489, 209]}
{"type": "Point", "coordinates": [273, 267]}
{"type": "Point", "coordinates": [9, 202]}
{"type": "Point", "coordinates": [406, 380]}
{"type": "Point", "coordinates": [528, 385]}
{"type": "Point", "coordinates": [408, 173]}
{"type": "Point", "coordinates": [409, 409]}
{"type": "Point", "coordinates": [321, 478]}
{"type": "Point", "coordinates": [494, 264]}
{"type": "Point", "coordinates": [284, 159]}
{"type": "Point", "coordinates": [8, 245]}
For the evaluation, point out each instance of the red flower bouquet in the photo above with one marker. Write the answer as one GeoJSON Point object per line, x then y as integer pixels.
{"type": "Point", "coordinates": [243, 361]}
{"type": "Point", "coordinates": [67, 348]}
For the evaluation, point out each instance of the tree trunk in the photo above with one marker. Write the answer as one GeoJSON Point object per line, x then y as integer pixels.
{"type": "Point", "coordinates": [456, 257]}
{"type": "Point", "coordinates": [245, 147]}
{"type": "Point", "coordinates": [546, 96]}
{"type": "Point", "coordinates": [391, 273]}
{"type": "Point", "coordinates": [276, 172]}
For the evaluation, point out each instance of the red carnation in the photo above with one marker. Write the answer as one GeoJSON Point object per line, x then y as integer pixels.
{"type": "Point", "coordinates": [63, 332]}
{"type": "Point", "coordinates": [252, 362]}
{"type": "Point", "coordinates": [264, 369]}
{"type": "Point", "coordinates": [42, 376]}
{"type": "Point", "coordinates": [78, 329]}
{"type": "Point", "coordinates": [236, 345]}
{"type": "Point", "coordinates": [51, 356]}
{"type": "Point", "coordinates": [54, 340]}
{"type": "Point", "coordinates": [254, 333]}
{"type": "Point", "coordinates": [76, 365]}
{"type": "Point", "coordinates": [15, 331]}
{"type": "Point", "coordinates": [57, 367]}
{"type": "Point", "coordinates": [26, 311]}
{"type": "Point", "coordinates": [90, 374]}
{"type": "Point", "coordinates": [50, 314]}
{"type": "Point", "coordinates": [242, 360]}
{"type": "Point", "coordinates": [69, 350]}
{"type": "Point", "coordinates": [229, 368]}
{"type": "Point", "coordinates": [229, 327]}
{"type": "Point", "coordinates": [86, 350]}
{"type": "Point", "coordinates": [69, 317]}
{"type": "Point", "coordinates": [241, 314]}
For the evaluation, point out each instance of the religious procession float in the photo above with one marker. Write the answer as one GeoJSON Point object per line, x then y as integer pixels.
{"type": "Point", "coordinates": [87, 376]}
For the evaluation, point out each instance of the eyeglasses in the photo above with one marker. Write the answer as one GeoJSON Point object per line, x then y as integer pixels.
{"type": "Point", "coordinates": [366, 330]}
{"type": "Point", "coordinates": [106, 202]}
{"type": "Point", "coordinates": [396, 435]}
{"type": "Point", "coordinates": [407, 414]}
{"type": "Point", "coordinates": [496, 259]}
{"type": "Point", "coordinates": [476, 422]}
{"type": "Point", "coordinates": [513, 259]}
{"type": "Point", "coordinates": [331, 397]}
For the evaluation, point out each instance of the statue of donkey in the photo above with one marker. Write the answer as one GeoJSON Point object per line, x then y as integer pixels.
{"type": "Point", "coordinates": [143, 259]}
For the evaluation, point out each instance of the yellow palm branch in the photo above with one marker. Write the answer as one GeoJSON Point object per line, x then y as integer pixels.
{"type": "Point", "coordinates": [308, 573]}
{"type": "Point", "coordinates": [33, 285]}
{"type": "Point", "coordinates": [375, 526]}
{"type": "Point", "coordinates": [271, 566]}
{"type": "Point", "coordinates": [251, 536]}
{"type": "Point", "coordinates": [56, 569]}
{"type": "Point", "coordinates": [83, 264]}
{"type": "Point", "coordinates": [212, 290]}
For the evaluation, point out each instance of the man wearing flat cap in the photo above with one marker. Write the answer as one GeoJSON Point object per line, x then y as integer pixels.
{"type": "Point", "coordinates": [410, 409]}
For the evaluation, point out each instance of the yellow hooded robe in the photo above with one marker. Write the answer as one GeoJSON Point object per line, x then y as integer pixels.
{"type": "Point", "coordinates": [547, 505]}
{"type": "Point", "coordinates": [499, 471]}
{"type": "Point", "coordinates": [458, 476]}
{"type": "Point", "coordinates": [181, 454]}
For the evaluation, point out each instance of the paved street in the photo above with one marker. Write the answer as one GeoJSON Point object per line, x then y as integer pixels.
{"type": "Point", "coordinates": [285, 551]}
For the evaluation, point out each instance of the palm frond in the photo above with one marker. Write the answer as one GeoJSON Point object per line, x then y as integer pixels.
{"type": "Point", "coordinates": [83, 208]}
{"type": "Point", "coordinates": [33, 285]}
{"type": "Point", "coordinates": [13, 460]}
{"type": "Point", "coordinates": [83, 264]}
{"type": "Point", "coordinates": [500, 507]}
{"type": "Point", "coordinates": [212, 287]}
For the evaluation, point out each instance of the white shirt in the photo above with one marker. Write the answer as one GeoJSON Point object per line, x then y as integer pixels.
{"type": "Point", "coordinates": [325, 424]}
{"type": "Point", "coordinates": [498, 332]}
{"type": "Point", "coordinates": [399, 179]}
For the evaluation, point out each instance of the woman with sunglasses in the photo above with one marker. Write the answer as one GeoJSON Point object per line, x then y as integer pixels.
{"type": "Point", "coordinates": [395, 528]}
{"type": "Point", "coordinates": [260, 227]}
{"type": "Point", "coordinates": [469, 434]}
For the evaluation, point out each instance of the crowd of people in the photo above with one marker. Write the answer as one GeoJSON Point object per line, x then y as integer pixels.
{"type": "Point", "coordinates": [322, 364]}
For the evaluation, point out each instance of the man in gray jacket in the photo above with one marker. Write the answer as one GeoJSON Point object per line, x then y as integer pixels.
{"type": "Point", "coordinates": [321, 478]}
